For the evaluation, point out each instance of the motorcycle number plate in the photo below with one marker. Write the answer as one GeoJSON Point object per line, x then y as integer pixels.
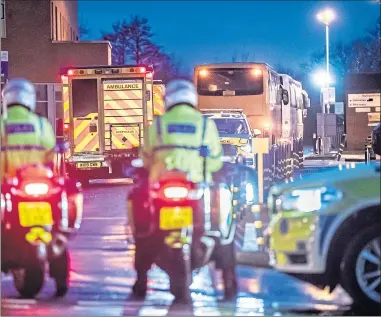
{"type": "Point", "coordinates": [35, 214]}
{"type": "Point", "coordinates": [172, 218]}
{"type": "Point", "coordinates": [89, 165]}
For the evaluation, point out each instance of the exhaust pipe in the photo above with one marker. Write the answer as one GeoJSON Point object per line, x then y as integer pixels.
{"type": "Point", "coordinates": [58, 244]}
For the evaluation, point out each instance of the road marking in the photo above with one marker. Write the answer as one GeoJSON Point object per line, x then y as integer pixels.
{"type": "Point", "coordinates": [14, 306]}
{"type": "Point", "coordinates": [18, 301]}
{"type": "Point", "coordinates": [111, 303]}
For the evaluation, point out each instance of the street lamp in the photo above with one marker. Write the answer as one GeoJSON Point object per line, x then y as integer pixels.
{"type": "Point", "coordinates": [326, 17]}
{"type": "Point", "coordinates": [321, 80]}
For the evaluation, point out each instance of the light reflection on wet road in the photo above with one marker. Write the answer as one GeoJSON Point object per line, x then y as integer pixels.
{"type": "Point", "coordinates": [102, 276]}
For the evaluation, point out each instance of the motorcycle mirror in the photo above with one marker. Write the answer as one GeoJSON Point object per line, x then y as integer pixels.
{"type": "Point", "coordinates": [137, 162]}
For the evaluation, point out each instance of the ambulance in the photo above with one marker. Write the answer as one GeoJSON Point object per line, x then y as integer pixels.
{"type": "Point", "coordinates": [106, 110]}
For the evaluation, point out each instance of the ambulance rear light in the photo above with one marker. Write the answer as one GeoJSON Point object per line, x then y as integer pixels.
{"type": "Point", "coordinates": [66, 126]}
{"type": "Point", "coordinates": [70, 72]}
{"type": "Point", "coordinates": [142, 69]}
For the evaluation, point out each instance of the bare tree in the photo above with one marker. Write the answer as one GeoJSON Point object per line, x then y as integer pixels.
{"type": "Point", "coordinates": [119, 42]}
{"type": "Point", "coordinates": [140, 45]}
{"type": "Point", "coordinates": [245, 56]}
{"type": "Point", "coordinates": [83, 29]}
{"type": "Point", "coordinates": [235, 56]}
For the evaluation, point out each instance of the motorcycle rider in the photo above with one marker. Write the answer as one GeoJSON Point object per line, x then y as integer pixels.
{"type": "Point", "coordinates": [173, 136]}
{"type": "Point", "coordinates": [26, 138]}
{"type": "Point", "coordinates": [173, 142]}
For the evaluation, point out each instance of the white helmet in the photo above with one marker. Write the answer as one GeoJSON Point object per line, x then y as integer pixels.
{"type": "Point", "coordinates": [19, 91]}
{"type": "Point", "coordinates": [180, 91]}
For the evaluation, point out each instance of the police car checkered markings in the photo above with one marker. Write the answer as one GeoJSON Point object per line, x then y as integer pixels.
{"type": "Point", "coordinates": [15, 128]}
{"type": "Point", "coordinates": [181, 128]}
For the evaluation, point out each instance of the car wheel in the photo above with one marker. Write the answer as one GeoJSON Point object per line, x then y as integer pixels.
{"type": "Point", "coordinates": [360, 268]}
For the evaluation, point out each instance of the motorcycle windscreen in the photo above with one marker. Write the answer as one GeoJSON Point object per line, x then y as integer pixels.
{"type": "Point", "coordinates": [123, 113]}
{"type": "Point", "coordinates": [85, 115]}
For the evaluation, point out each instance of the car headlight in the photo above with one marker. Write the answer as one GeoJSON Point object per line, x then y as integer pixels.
{"type": "Point", "coordinates": [246, 148]}
{"type": "Point", "coordinates": [309, 199]}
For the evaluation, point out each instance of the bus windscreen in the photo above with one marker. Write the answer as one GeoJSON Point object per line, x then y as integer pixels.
{"type": "Point", "coordinates": [229, 81]}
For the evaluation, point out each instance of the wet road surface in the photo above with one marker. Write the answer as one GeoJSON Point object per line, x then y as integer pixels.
{"type": "Point", "coordinates": [102, 276]}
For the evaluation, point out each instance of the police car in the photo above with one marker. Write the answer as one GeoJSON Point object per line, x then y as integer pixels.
{"type": "Point", "coordinates": [234, 130]}
{"type": "Point", "coordinates": [326, 229]}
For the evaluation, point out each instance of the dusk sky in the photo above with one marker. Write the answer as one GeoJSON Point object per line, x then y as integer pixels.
{"type": "Point", "coordinates": [199, 32]}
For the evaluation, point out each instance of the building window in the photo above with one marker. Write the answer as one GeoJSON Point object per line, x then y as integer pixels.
{"type": "Point", "coordinates": [61, 27]}
{"type": "Point", "coordinates": [52, 21]}
{"type": "Point", "coordinates": [56, 23]}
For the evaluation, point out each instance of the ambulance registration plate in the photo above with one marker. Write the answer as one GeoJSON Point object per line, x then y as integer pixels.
{"type": "Point", "coordinates": [89, 165]}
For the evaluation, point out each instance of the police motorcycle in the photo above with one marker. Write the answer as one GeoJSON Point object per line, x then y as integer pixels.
{"type": "Point", "coordinates": [182, 226]}
{"type": "Point", "coordinates": [41, 209]}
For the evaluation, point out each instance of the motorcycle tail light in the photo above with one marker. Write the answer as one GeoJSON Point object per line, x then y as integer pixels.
{"type": "Point", "coordinates": [3, 204]}
{"type": "Point", "coordinates": [36, 189]}
{"type": "Point", "coordinates": [177, 192]}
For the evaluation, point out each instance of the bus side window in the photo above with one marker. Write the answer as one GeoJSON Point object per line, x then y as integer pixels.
{"type": "Point", "coordinates": [274, 84]}
{"type": "Point", "coordinates": [293, 102]}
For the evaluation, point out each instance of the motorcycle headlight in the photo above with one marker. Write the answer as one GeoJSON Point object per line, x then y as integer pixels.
{"type": "Point", "coordinates": [310, 199]}
{"type": "Point", "coordinates": [246, 148]}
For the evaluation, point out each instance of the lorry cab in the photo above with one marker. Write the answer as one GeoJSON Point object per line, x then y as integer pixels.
{"type": "Point", "coordinates": [234, 130]}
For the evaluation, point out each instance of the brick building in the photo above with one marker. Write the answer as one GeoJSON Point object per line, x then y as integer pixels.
{"type": "Point", "coordinates": [42, 35]}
